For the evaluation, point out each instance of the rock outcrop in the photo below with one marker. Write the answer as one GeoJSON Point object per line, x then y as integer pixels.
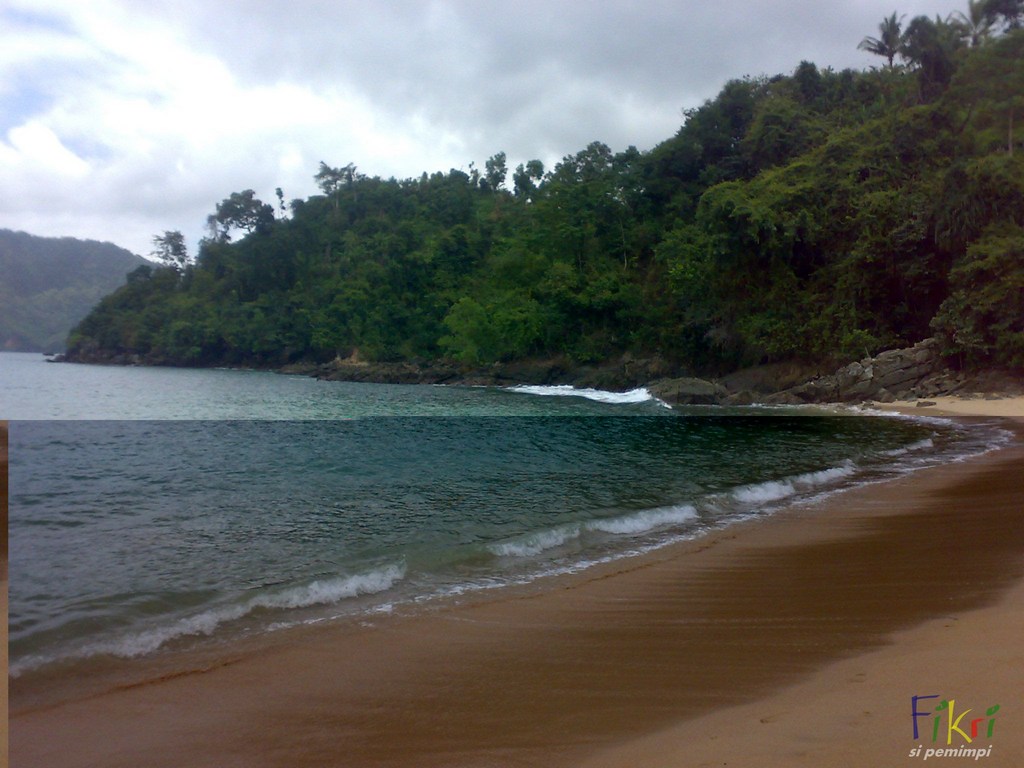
{"type": "Point", "coordinates": [688, 391]}
{"type": "Point", "coordinates": [618, 374]}
{"type": "Point", "coordinates": [897, 374]}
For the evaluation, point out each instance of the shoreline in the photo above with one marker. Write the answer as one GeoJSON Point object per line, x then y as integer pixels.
{"type": "Point", "coordinates": [893, 379]}
{"type": "Point", "coordinates": [1001, 406]}
{"type": "Point", "coordinates": [41, 681]}
{"type": "Point", "coordinates": [590, 665]}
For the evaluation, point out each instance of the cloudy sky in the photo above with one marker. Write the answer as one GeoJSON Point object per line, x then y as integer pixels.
{"type": "Point", "coordinates": [120, 119]}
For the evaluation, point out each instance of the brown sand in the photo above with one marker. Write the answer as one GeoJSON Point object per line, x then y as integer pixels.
{"type": "Point", "coordinates": [793, 642]}
{"type": "Point", "coordinates": [1006, 407]}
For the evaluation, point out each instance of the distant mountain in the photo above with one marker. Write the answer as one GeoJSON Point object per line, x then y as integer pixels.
{"type": "Point", "coordinates": [48, 284]}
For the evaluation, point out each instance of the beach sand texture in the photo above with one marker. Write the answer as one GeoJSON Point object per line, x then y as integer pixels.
{"type": "Point", "coordinates": [796, 641]}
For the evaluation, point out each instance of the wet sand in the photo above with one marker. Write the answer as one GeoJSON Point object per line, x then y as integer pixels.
{"type": "Point", "coordinates": [794, 641]}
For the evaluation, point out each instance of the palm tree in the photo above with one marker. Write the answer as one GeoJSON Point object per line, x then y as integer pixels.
{"type": "Point", "coordinates": [1008, 13]}
{"type": "Point", "coordinates": [889, 42]}
{"type": "Point", "coordinates": [930, 48]}
{"type": "Point", "coordinates": [974, 27]}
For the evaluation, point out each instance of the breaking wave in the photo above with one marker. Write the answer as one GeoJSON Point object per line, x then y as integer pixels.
{"type": "Point", "coordinates": [319, 592]}
{"type": "Point", "coordinates": [639, 395]}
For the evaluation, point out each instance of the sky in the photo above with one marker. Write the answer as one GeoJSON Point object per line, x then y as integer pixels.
{"type": "Point", "coordinates": [123, 119]}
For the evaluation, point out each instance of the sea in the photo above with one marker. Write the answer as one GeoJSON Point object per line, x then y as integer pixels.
{"type": "Point", "coordinates": [159, 510]}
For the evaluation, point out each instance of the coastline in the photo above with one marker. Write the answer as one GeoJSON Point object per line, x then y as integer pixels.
{"type": "Point", "coordinates": [895, 377]}
{"type": "Point", "coordinates": [604, 667]}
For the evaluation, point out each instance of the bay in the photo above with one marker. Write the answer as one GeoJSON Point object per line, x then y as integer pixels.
{"type": "Point", "coordinates": [155, 509]}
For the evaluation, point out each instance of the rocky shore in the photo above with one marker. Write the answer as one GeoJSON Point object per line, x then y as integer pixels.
{"type": "Point", "coordinates": [911, 374]}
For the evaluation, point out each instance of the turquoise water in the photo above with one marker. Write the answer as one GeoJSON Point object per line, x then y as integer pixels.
{"type": "Point", "coordinates": [139, 523]}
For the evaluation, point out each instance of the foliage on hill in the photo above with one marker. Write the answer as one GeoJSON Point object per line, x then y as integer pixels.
{"type": "Point", "coordinates": [820, 215]}
{"type": "Point", "coordinates": [47, 285]}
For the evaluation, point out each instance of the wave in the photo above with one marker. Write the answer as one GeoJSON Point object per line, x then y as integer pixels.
{"type": "Point", "coordinates": [650, 520]}
{"type": "Point", "coordinates": [534, 543]}
{"type": "Point", "coordinates": [645, 521]}
{"type": "Point", "coordinates": [140, 643]}
{"type": "Point", "coordinates": [631, 524]}
{"type": "Point", "coordinates": [776, 490]}
{"type": "Point", "coordinates": [330, 591]}
{"type": "Point", "coordinates": [920, 445]}
{"type": "Point", "coordinates": [638, 395]}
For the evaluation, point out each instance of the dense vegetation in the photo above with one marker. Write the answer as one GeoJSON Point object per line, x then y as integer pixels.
{"type": "Point", "coordinates": [821, 215]}
{"type": "Point", "coordinates": [47, 285]}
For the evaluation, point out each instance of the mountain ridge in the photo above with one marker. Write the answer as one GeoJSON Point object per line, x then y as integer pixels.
{"type": "Point", "coordinates": [49, 284]}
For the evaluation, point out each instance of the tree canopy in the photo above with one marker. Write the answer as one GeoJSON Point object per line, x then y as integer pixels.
{"type": "Point", "coordinates": [818, 215]}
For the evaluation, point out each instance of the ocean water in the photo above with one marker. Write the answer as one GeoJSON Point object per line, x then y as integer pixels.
{"type": "Point", "coordinates": [153, 510]}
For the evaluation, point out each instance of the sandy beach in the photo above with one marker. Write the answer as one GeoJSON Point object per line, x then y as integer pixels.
{"type": "Point", "coordinates": [1003, 407]}
{"type": "Point", "coordinates": [797, 641]}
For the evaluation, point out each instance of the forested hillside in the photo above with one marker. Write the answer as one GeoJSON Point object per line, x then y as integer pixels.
{"type": "Point", "coordinates": [47, 285]}
{"type": "Point", "coordinates": [820, 215]}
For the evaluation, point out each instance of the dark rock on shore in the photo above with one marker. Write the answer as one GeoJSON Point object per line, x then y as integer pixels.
{"type": "Point", "coordinates": [619, 374]}
{"type": "Point", "coordinates": [912, 373]}
{"type": "Point", "coordinates": [688, 391]}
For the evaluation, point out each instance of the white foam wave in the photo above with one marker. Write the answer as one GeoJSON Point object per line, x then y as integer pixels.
{"type": "Point", "coordinates": [331, 591]}
{"type": "Point", "coordinates": [647, 520]}
{"type": "Point", "coordinates": [639, 395]}
{"type": "Point", "coordinates": [762, 492]}
{"type": "Point", "coordinates": [141, 643]}
{"type": "Point", "coordinates": [774, 490]}
{"type": "Point", "coordinates": [535, 543]}
{"type": "Point", "coordinates": [634, 523]}
{"type": "Point", "coordinates": [319, 592]}
{"type": "Point", "coordinates": [823, 476]}
{"type": "Point", "coordinates": [918, 446]}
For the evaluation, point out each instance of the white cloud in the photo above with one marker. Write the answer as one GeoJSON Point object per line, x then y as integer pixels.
{"type": "Point", "coordinates": [35, 148]}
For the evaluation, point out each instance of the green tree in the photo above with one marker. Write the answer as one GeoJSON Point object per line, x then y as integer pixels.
{"type": "Point", "coordinates": [930, 46]}
{"type": "Point", "coordinates": [240, 210]}
{"type": "Point", "coordinates": [781, 130]}
{"type": "Point", "coordinates": [171, 250]}
{"type": "Point", "coordinates": [495, 171]}
{"type": "Point", "coordinates": [470, 337]}
{"type": "Point", "coordinates": [990, 87]}
{"type": "Point", "coordinates": [333, 180]}
{"type": "Point", "coordinates": [526, 178]}
{"type": "Point", "coordinates": [983, 318]}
